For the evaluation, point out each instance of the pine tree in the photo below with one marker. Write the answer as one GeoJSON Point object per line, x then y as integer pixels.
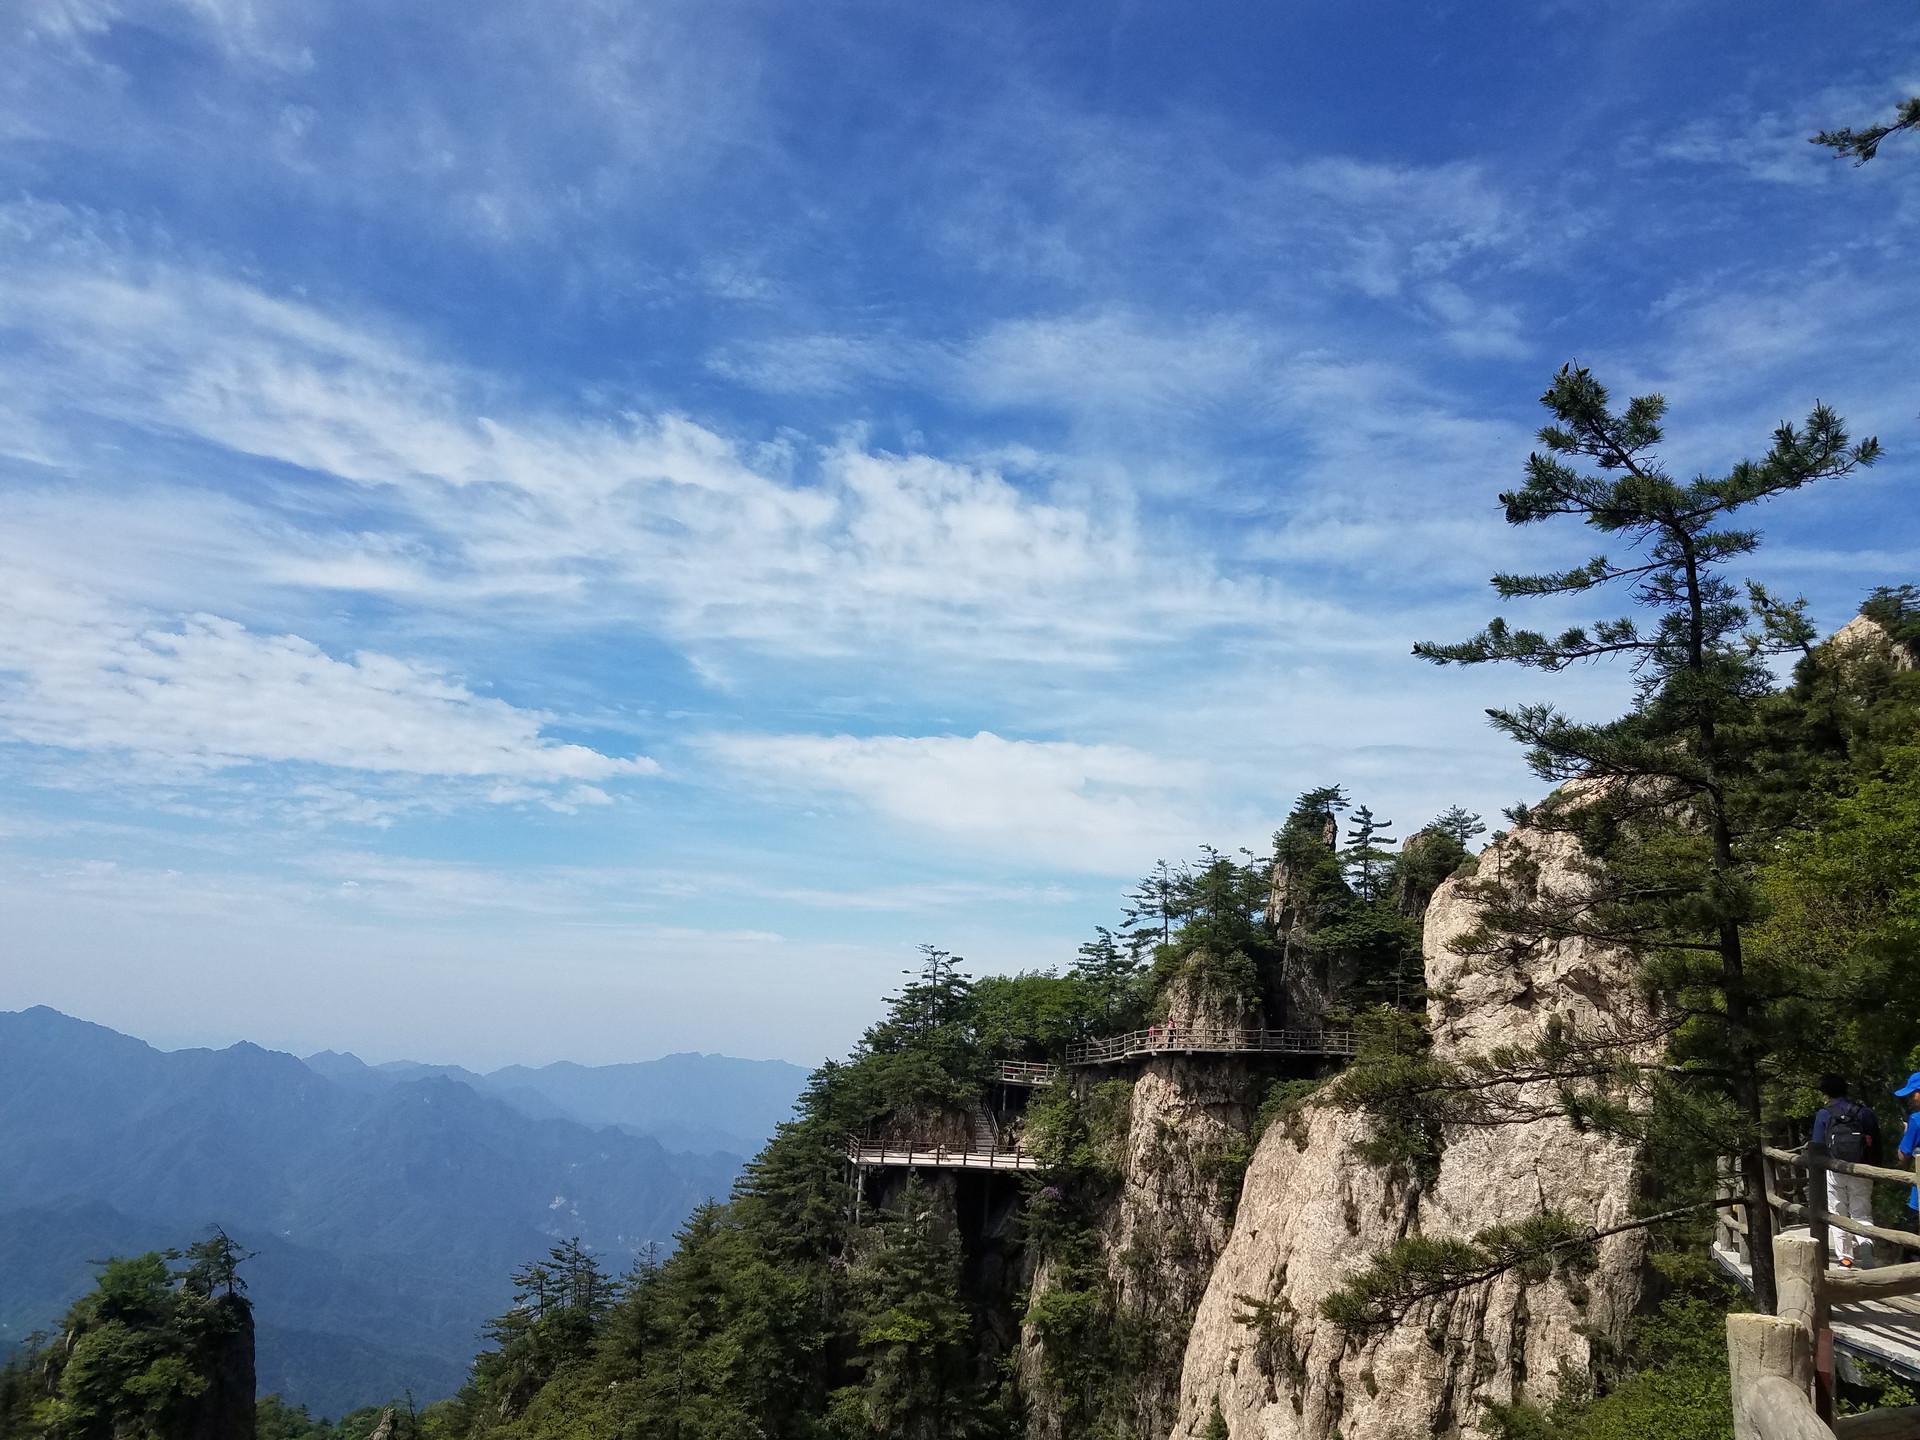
{"type": "Point", "coordinates": [1367, 860]}
{"type": "Point", "coordinates": [1863, 144]}
{"type": "Point", "coordinates": [1155, 906]}
{"type": "Point", "coordinates": [1458, 825]}
{"type": "Point", "coordinates": [913, 1332]}
{"type": "Point", "coordinates": [933, 997]}
{"type": "Point", "coordinates": [1112, 975]}
{"type": "Point", "coordinates": [1662, 799]}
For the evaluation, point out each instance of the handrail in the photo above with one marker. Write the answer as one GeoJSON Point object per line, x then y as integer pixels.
{"type": "Point", "coordinates": [1183, 1039]}
{"type": "Point", "coordinates": [1814, 1159]}
{"type": "Point", "coordinates": [1814, 1211]}
{"type": "Point", "coordinates": [940, 1157]}
{"type": "Point", "coordinates": [1782, 1365]}
{"type": "Point", "coordinates": [1026, 1072]}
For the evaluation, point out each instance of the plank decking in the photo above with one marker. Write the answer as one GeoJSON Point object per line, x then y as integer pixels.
{"type": "Point", "coordinates": [1886, 1332]}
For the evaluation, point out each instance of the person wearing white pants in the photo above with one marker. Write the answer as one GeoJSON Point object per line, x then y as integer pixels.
{"type": "Point", "coordinates": [1847, 1130]}
{"type": "Point", "coordinates": [1850, 1196]}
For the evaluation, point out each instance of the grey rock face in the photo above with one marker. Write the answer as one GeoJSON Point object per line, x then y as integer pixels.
{"type": "Point", "coordinates": [1312, 1212]}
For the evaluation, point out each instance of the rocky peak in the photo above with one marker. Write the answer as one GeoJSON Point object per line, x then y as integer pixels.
{"type": "Point", "coordinates": [1312, 1212]}
{"type": "Point", "coordinates": [1864, 637]}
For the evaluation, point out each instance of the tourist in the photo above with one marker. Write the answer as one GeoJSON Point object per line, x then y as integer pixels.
{"type": "Point", "coordinates": [1910, 1141]}
{"type": "Point", "coordinates": [1848, 1131]}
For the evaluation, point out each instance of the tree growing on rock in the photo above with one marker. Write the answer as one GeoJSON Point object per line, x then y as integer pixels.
{"type": "Point", "coordinates": [1367, 858]}
{"type": "Point", "coordinates": [1664, 807]}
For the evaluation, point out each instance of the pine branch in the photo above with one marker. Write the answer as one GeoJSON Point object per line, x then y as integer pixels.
{"type": "Point", "coordinates": [1863, 145]}
{"type": "Point", "coordinates": [1417, 1269]}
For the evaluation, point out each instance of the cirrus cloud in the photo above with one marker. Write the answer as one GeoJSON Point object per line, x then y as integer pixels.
{"type": "Point", "coordinates": [204, 694]}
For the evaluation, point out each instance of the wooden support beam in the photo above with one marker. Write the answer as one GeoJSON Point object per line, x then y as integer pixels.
{"type": "Point", "coordinates": [1882, 1283]}
{"type": "Point", "coordinates": [1799, 1278]}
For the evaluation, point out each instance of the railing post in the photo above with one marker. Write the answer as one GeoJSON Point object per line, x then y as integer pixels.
{"type": "Point", "coordinates": [1800, 1278]}
{"type": "Point", "coordinates": [1821, 1233]}
{"type": "Point", "coordinates": [1759, 1346]}
{"type": "Point", "coordinates": [1817, 1213]}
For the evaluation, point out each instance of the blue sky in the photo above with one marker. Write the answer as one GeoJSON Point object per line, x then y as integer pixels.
{"type": "Point", "coordinates": [590, 529]}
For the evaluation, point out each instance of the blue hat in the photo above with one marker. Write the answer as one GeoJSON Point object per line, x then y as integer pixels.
{"type": "Point", "coordinates": [1913, 1084]}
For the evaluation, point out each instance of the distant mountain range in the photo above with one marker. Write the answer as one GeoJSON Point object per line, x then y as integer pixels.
{"type": "Point", "coordinates": [387, 1203]}
{"type": "Point", "coordinates": [697, 1103]}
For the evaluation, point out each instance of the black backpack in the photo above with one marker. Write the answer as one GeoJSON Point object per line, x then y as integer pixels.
{"type": "Point", "coordinates": [1846, 1135]}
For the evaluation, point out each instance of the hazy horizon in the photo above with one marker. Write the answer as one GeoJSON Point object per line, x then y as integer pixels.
{"type": "Point", "coordinates": [588, 533]}
{"type": "Point", "coordinates": [222, 1040]}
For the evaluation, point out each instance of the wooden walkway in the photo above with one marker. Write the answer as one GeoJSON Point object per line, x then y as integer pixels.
{"type": "Point", "coordinates": [1886, 1332]}
{"type": "Point", "coordinates": [985, 1153]}
{"type": "Point", "coordinates": [1201, 1040]}
{"type": "Point", "coordinates": [940, 1158]}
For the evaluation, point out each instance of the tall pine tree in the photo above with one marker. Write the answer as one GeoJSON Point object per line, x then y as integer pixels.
{"type": "Point", "coordinates": [1665, 804]}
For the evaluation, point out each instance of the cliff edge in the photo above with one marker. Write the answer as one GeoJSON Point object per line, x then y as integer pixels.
{"type": "Point", "coordinates": [1312, 1212]}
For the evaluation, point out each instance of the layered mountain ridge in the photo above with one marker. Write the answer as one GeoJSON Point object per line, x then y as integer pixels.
{"type": "Point", "coordinates": [388, 1205]}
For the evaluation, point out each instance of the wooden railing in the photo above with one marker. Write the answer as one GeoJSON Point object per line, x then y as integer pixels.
{"type": "Point", "coordinates": [1027, 1072]}
{"type": "Point", "coordinates": [1206, 1039]}
{"type": "Point", "coordinates": [1773, 1360]}
{"type": "Point", "coordinates": [939, 1157]}
{"type": "Point", "coordinates": [1782, 1364]}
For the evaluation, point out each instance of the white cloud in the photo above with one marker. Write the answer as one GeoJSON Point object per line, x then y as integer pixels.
{"type": "Point", "coordinates": [1109, 361]}
{"type": "Point", "coordinates": [1103, 809]}
{"type": "Point", "coordinates": [783, 549]}
{"type": "Point", "coordinates": [205, 694]}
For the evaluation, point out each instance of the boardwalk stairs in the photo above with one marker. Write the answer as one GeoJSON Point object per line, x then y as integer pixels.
{"type": "Point", "coordinates": [986, 1134]}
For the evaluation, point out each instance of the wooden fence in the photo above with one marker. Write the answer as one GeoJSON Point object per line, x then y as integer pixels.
{"type": "Point", "coordinates": [940, 1157]}
{"type": "Point", "coordinates": [1210, 1040]}
{"type": "Point", "coordinates": [1781, 1364]}
{"type": "Point", "coordinates": [1026, 1072]}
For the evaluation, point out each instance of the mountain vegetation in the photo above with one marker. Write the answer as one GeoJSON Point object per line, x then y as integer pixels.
{"type": "Point", "coordinates": [1749, 842]}
{"type": "Point", "coordinates": [161, 1349]}
{"type": "Point", "coordinates": [790, 1311]}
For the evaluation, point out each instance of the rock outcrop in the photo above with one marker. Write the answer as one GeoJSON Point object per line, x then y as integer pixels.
{"type": "Point", "coordinates": [1307, 987]}
{"type": "Point", "coordinates": [1185, 1153]}
{"type": "Point", "coordinates": [224, 1410]}
{"type": "Point", "coordinates": [1179, 1161]}
{"type": "Point", "coordinates": [1863, 636]}
{"type": "Point", "coordinates": [1312, 1212]}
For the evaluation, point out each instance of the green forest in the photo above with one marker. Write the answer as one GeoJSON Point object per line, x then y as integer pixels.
{"type": "Point", "coordinates": [1752, 828]}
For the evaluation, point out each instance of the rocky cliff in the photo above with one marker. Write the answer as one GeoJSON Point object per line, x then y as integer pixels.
{"type": "Point", "coordinates": [1312, 1211]}
{"type": "Point", "coordinates": [1173, 1157]}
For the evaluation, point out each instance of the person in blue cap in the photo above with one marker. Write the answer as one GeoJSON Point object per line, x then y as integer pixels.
{"type": "Point", "coordinates": [1910, 1141]}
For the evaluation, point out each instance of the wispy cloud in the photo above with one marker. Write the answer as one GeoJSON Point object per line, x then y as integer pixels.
{"type": "Point", "coordinates": [207, 695]}
{"type": "Point", "coordinates": [830, 549]}
{"type": "Point", "coordinates": [1091, 808]}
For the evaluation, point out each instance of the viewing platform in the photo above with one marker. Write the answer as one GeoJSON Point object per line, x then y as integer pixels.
{"type": "Point", "coordinates": [1026, 1072]}
{"type": "Point", "coordinates": [1208, 1040]}
{"type": "Point", "coordinates": [939, 1158]}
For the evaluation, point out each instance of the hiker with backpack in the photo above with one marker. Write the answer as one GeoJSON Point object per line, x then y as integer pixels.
{"type": "Point", "coordinates": [1849, 1131]}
